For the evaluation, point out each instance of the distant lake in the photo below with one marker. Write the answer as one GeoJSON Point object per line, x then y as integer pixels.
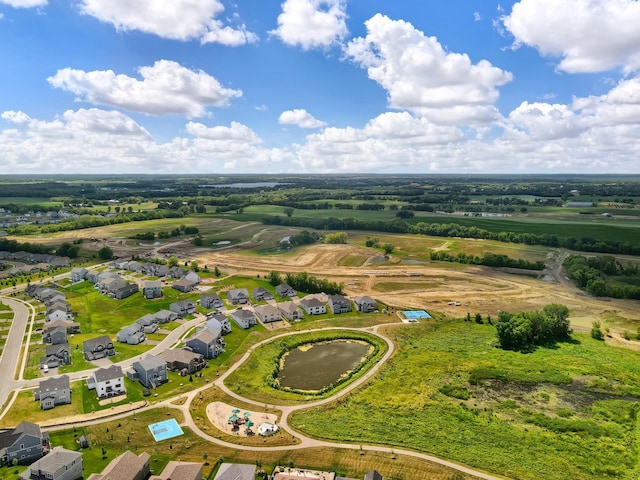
{"type": "Point", "coordinates": [244, 185]}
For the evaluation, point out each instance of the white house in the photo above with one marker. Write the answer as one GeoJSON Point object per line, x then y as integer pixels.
{"type": "Point", "coordinates": [107, 382]}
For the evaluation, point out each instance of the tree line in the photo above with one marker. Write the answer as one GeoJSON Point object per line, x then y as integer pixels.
{"type": "Point", "coordinates": [488, 259]}
{"type": "Point", "coordinates": [304, 282]}
{"type": "Point", "coordinates": [593, 275]}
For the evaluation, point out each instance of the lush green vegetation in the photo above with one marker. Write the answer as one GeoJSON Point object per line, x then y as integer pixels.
{"type": "Point", "coordinates": [488, 259]}
{"type": "Point", "coordinates": [604, 276]}
{"type": "Point", "coordinates": [525, 330]}
{"type": "Point", "coordinates": [305, 283]}
{"type": "Point", "coordinates": [514, 399]}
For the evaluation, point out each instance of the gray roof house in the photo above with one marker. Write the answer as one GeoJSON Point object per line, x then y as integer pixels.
{"type": "Point", "coordinates": [25, 443]}
{"type": "Point", "coordinates": [193, 276]}
{"type": "Point", "coordinates": [53, 391]}
{"type": "Point", "coordinates": [99, 347]}
{"type": "Point", "coordinates": [236, 471]}
{"type": "Point", "coordinates": [148, 322]}
{"type": "Point", "coordinates": [134, 266]}
{"type": "Point", "coordinates": [58, 464]}
{"type": "Point", "coordinates": [55, 336]}
{"type": "Point", "coordinates": [78, 274]}
{"type": "Point", "coordinates": [165, 316]}
{"type": "Point", "coordinates": [151, 371]}
{"type": "Point", "coordinates": [131, 334]}
{"type": "Point", "coordinates": [56, 314]}
{"type": "Point", "coordinates": [184, 285]}
{"type": "Point", "coordinates": [126, 290]}
{"type": "Point", "coordinates": [238, 296]}
{"type": "Point", "coordinates": [56, 355]}
{"type": "Point", "coordinates": [373, 475]}
{"type": "Point", "coordinates": [339, 304]}
{"type": "Point", "coordinates": [107, 382]}
{"type": "Point", "coordinates": [177, 272]}
{"type": "Point", "coordinates": [152, 289]}
{"type": "Point", "coordinates": [127, 466]}
{"type": "Point", "coordinates": [221, 319]}
{"type": "Point", "coordinates": [365, 304]}
{"type": "Point", "coordinates": [207, 342]}
{"type": "Point", "coordinates": [211, 300]}
{"type": "Point", "coordinates": [183, 307]}
{"type": "Point", "coordinates": [184, 361]}
{"type": "Point", "coordinates": [244, 318]}
{"type": "Point", "coordinates": [68, 325]}
{"type": "Point", "coordinates": [313, 306]}
{"type": "Point", "coordinates": [285, 290]}
{"type": "Point", "coordinates": [291, 311]}
{"type": "Point", "coordinates": [261, 293]}
{"type": "Point", "coordinates": [268, 313]}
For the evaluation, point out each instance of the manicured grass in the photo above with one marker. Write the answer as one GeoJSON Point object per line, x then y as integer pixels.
{"type": "Point", "coordinates": [510, 423]}
{"type": "Point", "coordinates": [25, 407]}
{"type": "Point", "coordinates": [352, 261]}
{"type": "Point", "coordinates": [250, 380]}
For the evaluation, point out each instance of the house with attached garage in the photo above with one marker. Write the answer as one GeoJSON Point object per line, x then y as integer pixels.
{"type": "Point", "coordinates": [183, 361]}
{"type": "Point", "coordinates": [58, 464]}
{"type": "Point", "coordinates": [339, 304]}
{"type": "Point", "coordinates": [24, 443]}
{"type": "Point", "coordinates": [207, 342]}
{"type": "Point", "coordinates": [285, 290]}
{"type": "Point", "coordinates": [180, 470]}
{"type": "Point", "coordinates": [151, 371]}
{"type": "Point", "coordinates": [221, 319]}
{"type": "Point", "coordinates": [365, 304]}
{"type": "Point", "coordinates": [184, 285]}
{"type": "Point", "coordinates": [291, 311]}
{"type": "Point", "coordinates": [55, 336]}
{"type": "Point", "coordinates": [131, 334]}
{"type": "Point", "coordinates": [78, 274]}
{"type": "Point", "coordinates": [148, 322]}
{"type": "Point", "coordinates": [53, 391]}
{"type": "Point", "coordinates": [152, 289]}
{"type": "Point", "coordinates": [107, 382]}
{"type": "Point", "coordinates": [177, 272]}
{"type": "Point", "coordinates": [244, 318]}
{"type": "Point", "coordinates": [97, 348]}
{"type": "Point", "coordinates": [313, 306]}
{"type": "Point", "coordinates": [127, 466]}
{"type": "Point", "coordinates": [183, 308]}
{"type": "Point", "coordinates": [236, 471]}
{"type": "Point", "coordinates": [261, 293]}
{"type": "Point", "coordinates": [211, 300]}
{"type": "Point", "coordinates": [68, 325]}
{"type": "Point", "coordinates": [56, 355]}
{"type": "Point", "coordinates": [268, 313]}
{"type": "Point", "coordinates": [56, 314]}
{"type": "Point", "coordinates": [165, 316]}
{"type": "Point", "coordinates": [238, 296]}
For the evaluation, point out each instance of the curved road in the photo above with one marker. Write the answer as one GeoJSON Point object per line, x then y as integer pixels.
{"type": "Point", "coordinates": [10, 361]}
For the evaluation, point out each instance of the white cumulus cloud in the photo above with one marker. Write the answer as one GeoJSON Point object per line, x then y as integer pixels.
{"type": "Point", "coordinates": [175, 19]}
{"type": "Point", "coordinates": [24, 3]}
{"type": "Point", "coordinates": [588, 35]}
{"type": "Point", "coordinates": [166, 88]}
{"type": "Point", "coordinates": [312, 23]}
{"type": "Point", "coordinates": [301, 118]}
{"type": "Point", "coordinates": [419, 75]}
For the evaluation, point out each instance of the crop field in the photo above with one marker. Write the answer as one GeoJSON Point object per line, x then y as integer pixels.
{"type": "Point", "coordinates": [571, 410]}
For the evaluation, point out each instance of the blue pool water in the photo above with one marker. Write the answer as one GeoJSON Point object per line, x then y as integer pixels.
{"type": "Point", "coordinates": [166, 429]}
{"type": "Point", "coordinates": [413, 314]}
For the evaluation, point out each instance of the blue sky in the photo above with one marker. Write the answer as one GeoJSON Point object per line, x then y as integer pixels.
{"type": "Point", "coordinates": [325, 86]}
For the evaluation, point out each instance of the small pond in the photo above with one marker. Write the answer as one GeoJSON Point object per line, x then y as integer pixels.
{"type": "Point", "coordinates": [318, 365]}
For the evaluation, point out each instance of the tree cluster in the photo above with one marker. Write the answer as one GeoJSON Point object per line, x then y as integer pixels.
{"type": "Point", "coordinates": [594, 275]}
{"type": "Point", "coordinates": [524, 330]}
{"type": "Point", "coordinates": [304, 282]}
{"type": "Point", "coordinates": [488, 259]}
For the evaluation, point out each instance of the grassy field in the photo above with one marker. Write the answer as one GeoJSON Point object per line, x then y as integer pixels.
{"type": "Point", "coordinates": [564, 412]}
{"type": "Point", "coordinates": [249, 379]}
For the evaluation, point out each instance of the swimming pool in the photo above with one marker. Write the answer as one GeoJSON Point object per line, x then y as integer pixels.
{"type": "Point", "coordinates": [166, 429]}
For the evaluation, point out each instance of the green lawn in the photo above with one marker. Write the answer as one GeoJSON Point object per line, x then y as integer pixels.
{"type": "Point", "coordinates": [522, 419]}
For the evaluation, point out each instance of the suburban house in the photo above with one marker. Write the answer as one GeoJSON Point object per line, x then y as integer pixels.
{"type": "Point", "coordinates": [183, 361]}
{"type": "Point", "coordinates": [268, 313]}
{"type": "Point", "coordinates": [99, 347]}
{"type": "Point", "coordinates": [313, 306]}
{"type": "Point", "coordinates": [148, 322]}
{"type": "Point", "coordinates": [238, 296]}
{"type": "Point", "coordinates": [373, 475]}
{"type": "Point", "coordinates": [56, 355]}
{"type": "Point", "coordinates": [177, 272]}
{"type": "Point", "coordinates": [68, 325]}
{"type": "Point", "coordinates": [107, 382]}
{"type": "Point", "coordinates": [152, 289]}
{"type": "Point", "coordinates": [151, 371]}
{"type": "Point", "coordinates": [117, 288]}
{"type": "Point", "coordinates": [78, 274]}
{"type": "Point", "coordinates": [131, 335]}
{"type": "Point", "coordinates": [53, 391]}
{"type": "Point", "coordinates": [58, 464]}
{"type": "Point", "coordinates": [192, 276]}
{"type": "Point", "coordinates": [55, 336]}
{"type": "Point", "coordinates": [291, 311]}
{"type": "Point", "coordinates": [57, 301]}
{"type": "Point", "coordinates": [134, 266]}
{"type": "Point", "coordinates": [183, 307]}
{"type": "Point", "coordinates": [261, 293]}
{"type": "Point", "coordinates": [155, 269]}
{"type": "Point", "coordinates": [179, 470]}
{"type": "Point", "coordinates": [56, 313]}
{"type": "Point", "coordinates": [220, 318]}
{"type": "Point", "coordinates": [184, 285]}
{"type": "Point", "coordinates": [25, 443]}
{"type": "Point", "coordinates": [127, 466]}
{"type": "Point", "coordinates": [45, 294]}
{"type": "Point", "coordinates": [339, 304]}
{"type": "Point", "coordinates": [207, 342]}
{"type": "Point", "coordinates": [244, 318]}
{"type": "Point", "coordinates": [211, 300]}
{"type": "Point", "coordinates": [236, 471]}
{"type": "Point", "coordinates": [126, 291]}
{"type": "Point", "coordinates": [365, 304]}
{"type": "Point", "coordinates": [165, 316]}
{"type": "Point", "coordinates": [285, 290]}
